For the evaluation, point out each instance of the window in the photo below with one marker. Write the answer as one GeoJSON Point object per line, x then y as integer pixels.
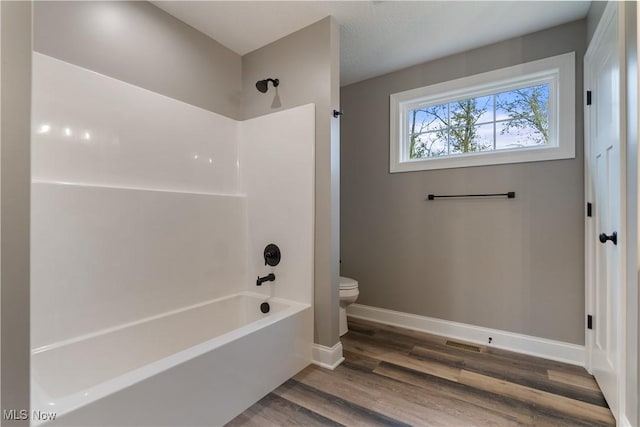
{"type": "Point", "coordinates": [517, 114]}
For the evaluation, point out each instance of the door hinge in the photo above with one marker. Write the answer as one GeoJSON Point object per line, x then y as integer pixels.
{"type": "Point", "coordinates": [589, 321]}
{"type": "Point", "coordinates": [588, 97]}
{"type": "Point", "coordinates": [589, 209]}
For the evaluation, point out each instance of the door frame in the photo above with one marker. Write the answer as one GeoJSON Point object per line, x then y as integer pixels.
{"type": "Point", "coordinates": [613, 10]}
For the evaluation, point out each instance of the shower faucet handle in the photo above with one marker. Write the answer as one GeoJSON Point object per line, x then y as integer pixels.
{"type": "Point", "coordinates": [272, 255]}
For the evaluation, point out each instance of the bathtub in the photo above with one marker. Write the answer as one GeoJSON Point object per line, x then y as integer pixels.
{"type": "Point", "coordinates": [199, 365]}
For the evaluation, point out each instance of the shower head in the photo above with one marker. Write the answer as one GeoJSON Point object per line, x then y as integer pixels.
{"type": "Point", "coordinates": [262, 85]}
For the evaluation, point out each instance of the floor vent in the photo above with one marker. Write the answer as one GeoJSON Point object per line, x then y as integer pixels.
{"type": "Point", "coordinates": [469, 347]}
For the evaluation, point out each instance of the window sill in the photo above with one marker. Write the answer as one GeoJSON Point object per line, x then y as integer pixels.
{"type": "Point", "coordinates": [485, 159]}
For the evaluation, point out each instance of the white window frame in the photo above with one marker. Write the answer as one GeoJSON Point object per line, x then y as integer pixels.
{"type": "Point", "coordinates": [557, 71]}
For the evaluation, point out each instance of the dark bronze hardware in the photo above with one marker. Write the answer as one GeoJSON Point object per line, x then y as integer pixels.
{"type": "Point", "coordinates": [509, 195]}
{"type": "Point", "coordinates": [272, 255]}
{"type": "Point", "coordinates": [614, 238]}
{"type": "Point", "coordinates": [268, 278]}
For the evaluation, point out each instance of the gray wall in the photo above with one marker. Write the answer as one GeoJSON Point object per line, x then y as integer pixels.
{"type": "Point", "coordinates": [15, 182]}
{"type": "Point", "coordinates": [138, 43]}
{"type": "Point", "coordinates": [307, 64]}
{"type": "Point", "coordinates": [514, 265]}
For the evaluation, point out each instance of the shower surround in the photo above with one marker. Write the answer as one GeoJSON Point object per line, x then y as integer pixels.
{"type": "Point", "coordinates": [149, 218]}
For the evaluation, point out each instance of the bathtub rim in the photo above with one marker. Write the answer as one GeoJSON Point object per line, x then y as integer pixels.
{"type": "Point", "coordinates": [40, 400]}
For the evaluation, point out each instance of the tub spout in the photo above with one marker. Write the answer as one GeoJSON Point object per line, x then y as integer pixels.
{"type": "Point", "coordinates": [268, 278]}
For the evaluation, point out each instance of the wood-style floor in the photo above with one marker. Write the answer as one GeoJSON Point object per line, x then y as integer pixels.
{"type": "Point", "coordinates": [397, 377]}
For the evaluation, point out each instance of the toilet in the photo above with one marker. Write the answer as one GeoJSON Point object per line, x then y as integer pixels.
{"type": "Point", "coordinates": [348, 295]}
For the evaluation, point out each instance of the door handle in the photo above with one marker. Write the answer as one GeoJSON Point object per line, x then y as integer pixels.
{"type": "Point", "coordinates": [614, 238]}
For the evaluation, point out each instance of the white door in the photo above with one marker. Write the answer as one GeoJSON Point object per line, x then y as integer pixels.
{"type": "Point", "coordinates": [605, 238]}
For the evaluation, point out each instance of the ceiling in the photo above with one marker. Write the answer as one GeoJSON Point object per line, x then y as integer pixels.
{"type": "Point", "coordinates": [376, 37]}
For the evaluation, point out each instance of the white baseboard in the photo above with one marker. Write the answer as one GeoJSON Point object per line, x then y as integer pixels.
{"type": "Point", "coordinates": [534, 346]}
{"type": "Point", "coordinates": [327, 357]}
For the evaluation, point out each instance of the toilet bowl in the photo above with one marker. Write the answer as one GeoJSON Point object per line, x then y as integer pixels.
{"type": "Point", "coordinates": [348, 295]}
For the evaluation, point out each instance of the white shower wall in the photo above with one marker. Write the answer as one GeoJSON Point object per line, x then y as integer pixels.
{"type": "Point", "coordinates": [92, 129]}
{"type": "Point", "coordinates": [277, 175]}
{"type": "Point", "coordinates": [142, 204]}
{"type": "Point", "coordinates": [102, 256]}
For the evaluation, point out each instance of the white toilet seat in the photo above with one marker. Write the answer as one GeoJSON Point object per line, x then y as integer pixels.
{"type": "Point", "coordinates": [348, 283]}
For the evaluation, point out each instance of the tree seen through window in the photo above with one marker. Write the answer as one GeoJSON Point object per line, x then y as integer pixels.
{"type": "Point", "coordinates": [507, 120]}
